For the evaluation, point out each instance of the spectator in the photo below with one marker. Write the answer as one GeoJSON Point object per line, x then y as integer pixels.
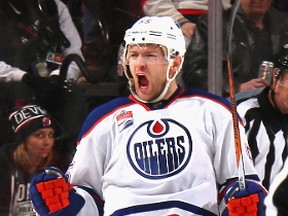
{"type": "Point", "coordinates": [144, 149]}
{"type": "Point", "coordinates": [266, 116]}
{"type": "Point", "coordinates": [35, 147]}
{"type": "Point", "coordinates": [36, 40]}
{"type": "Point", "coordinates": [185, 12]}
{"type": "Point", "coordinates": [258, 34]}
{"type": "Point", "coordinates": [35, 36]}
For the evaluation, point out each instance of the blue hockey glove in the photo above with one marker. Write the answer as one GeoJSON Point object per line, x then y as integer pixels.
{"type": "Point", "coordinates": [51, 194]}
{"type": "Point", "coordinates": [246, 202]}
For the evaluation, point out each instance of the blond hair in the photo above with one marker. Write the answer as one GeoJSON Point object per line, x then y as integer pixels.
{"type": "Point", "coordinates": [23, 159]}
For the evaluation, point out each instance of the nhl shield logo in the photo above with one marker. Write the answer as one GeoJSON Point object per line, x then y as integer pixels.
{"type": "Point", "coordinates": [159, 148]}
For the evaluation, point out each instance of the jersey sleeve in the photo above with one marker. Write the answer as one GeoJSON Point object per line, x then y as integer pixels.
{"type": "Point", "coordinates": [92, 206]}
{"type": "Point", "coordinates": [92, 155]}
{"type": "Point", "coordinates": [225, 160]}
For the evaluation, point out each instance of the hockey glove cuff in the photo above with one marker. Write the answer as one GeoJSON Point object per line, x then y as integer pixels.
{"type": "Point", "coordinates": [51, 194]}
{"type": "Point", "coordinates": [246, 202]}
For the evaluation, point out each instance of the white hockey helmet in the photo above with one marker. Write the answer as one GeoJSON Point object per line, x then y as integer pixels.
{"type": "Point", "coordinates": [163, 31]}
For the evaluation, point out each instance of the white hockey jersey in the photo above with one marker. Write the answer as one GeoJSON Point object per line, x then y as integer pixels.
{"type": "Point", "coordinates": [169, 158]}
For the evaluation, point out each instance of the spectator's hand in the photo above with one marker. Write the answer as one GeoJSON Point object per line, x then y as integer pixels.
{"type": "Point", "coordinates": [247, 202]}
{"type": "Point", "coordinates": [51, 194]}
{"type": "Point", "coordinates": [252, 84]}
{"type": "Point", "coordinates": [188, 29]}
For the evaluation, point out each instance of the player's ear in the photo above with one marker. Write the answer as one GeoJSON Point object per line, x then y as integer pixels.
{"type": "Point", "coordinates": [177, 62]}
{"type": "Point", "coordinates": [174, 68]}
{"type": "Point", "coordinates": [275, 78]}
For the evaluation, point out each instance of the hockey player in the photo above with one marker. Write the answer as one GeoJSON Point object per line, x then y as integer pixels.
{"type": "Point", "coordinates": [159, 151]}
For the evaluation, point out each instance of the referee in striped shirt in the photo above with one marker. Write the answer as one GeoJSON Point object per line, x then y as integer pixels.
{"type": "Point", "coordinates": [266, 122]}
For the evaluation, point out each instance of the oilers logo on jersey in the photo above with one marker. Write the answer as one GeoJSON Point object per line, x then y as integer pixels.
{"type": "Point", "coordinates": [159, 148]}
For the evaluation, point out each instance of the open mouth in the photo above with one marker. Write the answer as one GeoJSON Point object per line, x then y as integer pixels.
{"type": "Point", "coordinates": [142, 81]}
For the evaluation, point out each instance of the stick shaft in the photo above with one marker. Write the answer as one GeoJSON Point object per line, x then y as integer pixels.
{"type": "Point", "coordinates": [237, 138]}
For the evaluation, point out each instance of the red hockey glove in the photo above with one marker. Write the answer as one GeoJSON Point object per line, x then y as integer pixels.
{"type": "Point", "coordinates": [247, 202]}
{"type": "Point", "coordinates": [243, 206]}
{"type": "Point", "coordinates": [55, 193]}
{"type": "Point", "coordinates": [51, 194]}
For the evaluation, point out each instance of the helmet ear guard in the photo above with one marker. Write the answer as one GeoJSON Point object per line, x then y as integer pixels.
{"type": "Point", "coordinates": [277, 73]}
{"type": "Point", "coordinates": [281, 62]}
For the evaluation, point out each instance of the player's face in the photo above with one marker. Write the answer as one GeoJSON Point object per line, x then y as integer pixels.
{"type": "Point", "coordinates": [148, 67]}
{"type": "Point", "coordinates": [281, 94]}
{"type": "Point", "coordinates": [254, 8]}
{"type": "Point", "coordinates": [40, 143]}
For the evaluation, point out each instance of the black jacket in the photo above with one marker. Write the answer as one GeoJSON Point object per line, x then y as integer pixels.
{"type": "Point", "coordinates": [243, 47]}
{"type": "Point", "coordinates": [27, 37]}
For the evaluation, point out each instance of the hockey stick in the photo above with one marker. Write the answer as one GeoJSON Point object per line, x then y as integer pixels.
{"type": "Point", "coordinates": [237, 139]}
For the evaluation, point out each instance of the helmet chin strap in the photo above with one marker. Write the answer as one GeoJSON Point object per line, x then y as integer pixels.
{"type": "Point", "coordinates": [164, 91]}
